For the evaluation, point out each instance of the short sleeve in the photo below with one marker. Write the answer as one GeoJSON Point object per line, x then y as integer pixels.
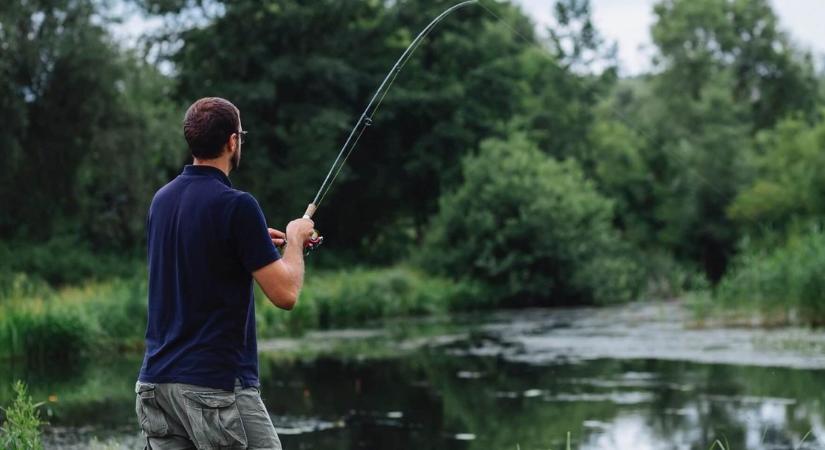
{"type": "Point", "coordinates": [254, 246]}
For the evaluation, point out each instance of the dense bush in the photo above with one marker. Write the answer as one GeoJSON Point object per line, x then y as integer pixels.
{"type": "Point", "coordinates": [782, 285]}
{"type": "Point", "coordinates": [532, 229]}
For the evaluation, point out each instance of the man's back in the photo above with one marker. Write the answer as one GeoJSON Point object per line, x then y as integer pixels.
{"type": "Point", "coordinates": [204, 241]}
{"type": "Point", "coordinates": [198, 386]}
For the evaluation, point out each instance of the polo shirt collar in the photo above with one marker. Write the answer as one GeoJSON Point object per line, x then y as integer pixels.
{"type": "Point", "coordinates": [207, 171]}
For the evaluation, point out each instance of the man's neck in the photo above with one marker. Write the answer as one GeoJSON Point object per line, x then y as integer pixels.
{"type": "Point", "coordinates": [221, 164]}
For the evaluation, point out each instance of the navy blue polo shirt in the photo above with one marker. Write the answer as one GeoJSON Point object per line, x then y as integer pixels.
{"type": "Point", "coordinates": [204, 239]}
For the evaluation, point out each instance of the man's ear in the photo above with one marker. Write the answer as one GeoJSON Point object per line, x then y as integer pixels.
{"type": "Point", "coordinates": [231, 144]}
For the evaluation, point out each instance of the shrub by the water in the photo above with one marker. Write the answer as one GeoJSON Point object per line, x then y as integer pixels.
{"type": "Point", "coordinates": [533, 229]}
{"type": "Point", "coordinates": [782, 285]}
{"type": "Point", "coordinates": [21, 423]}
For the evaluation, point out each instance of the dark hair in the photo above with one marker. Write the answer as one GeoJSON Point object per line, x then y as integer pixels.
{"type": "Point", "coordinates": [208, 124]}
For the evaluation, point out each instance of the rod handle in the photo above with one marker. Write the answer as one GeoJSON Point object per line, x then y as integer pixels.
{"type": "Point", "coordinates": [310, 211]}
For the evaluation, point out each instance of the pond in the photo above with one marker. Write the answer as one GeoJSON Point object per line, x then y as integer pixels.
{"type": "Point", "coordinates": [634, 377]}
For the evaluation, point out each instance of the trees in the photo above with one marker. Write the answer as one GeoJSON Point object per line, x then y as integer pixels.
{"type": "Point", "coordinates": [301, 72]}
{"type": "Point", "coordinates": [91, 130]}
{"type": "Point", "coordinates": [725, 71]}
{"type": "Point", "coordinates": [53, 74]}
{"type": "Point", "coordinates": [698, 40]}
{"type": "Point", "coordinates": [533, 228]}
{"type": "Point", "coordinates": [789, 186]}
{"type": "Point", "coordinates": [86, 128]}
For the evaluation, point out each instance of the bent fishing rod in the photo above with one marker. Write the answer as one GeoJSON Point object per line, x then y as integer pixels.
{"type": "Point", "coordinates": [366, 119]}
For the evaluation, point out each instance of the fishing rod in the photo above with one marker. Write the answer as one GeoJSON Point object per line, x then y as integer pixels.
{"type": "Point", "coordinates": [366, 119]}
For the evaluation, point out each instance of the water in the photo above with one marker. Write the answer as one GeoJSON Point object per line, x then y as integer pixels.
{"type": "Point", "coordinates": [634, 378]}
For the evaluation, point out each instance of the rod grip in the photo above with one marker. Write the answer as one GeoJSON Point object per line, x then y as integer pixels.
{"type": "Point", "coordinates": [310, 211]}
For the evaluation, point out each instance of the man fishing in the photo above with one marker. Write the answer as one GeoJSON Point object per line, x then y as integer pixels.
{"type": "Point", "coordinates": [198, 386]}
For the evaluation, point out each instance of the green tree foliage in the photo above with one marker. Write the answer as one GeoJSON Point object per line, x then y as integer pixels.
{"type": "Point", "coordinates": [534, 229]}
{"type": "Point", "coordinates": [742, 39]}
{"type": "Point", "coordinates": [575, 40]}
{"type": "Point", "coordinates": [789, 187]}
{"type": "Point", "coordinates": [301, 72]}
{"type": "Point", "coordinates": [720, 141]}
{"type": "Point", "coordinates": [726, 71]}
{"type": "Point", "coordinates": [675, 173]}
{"type": "Point", "coordinates": [703, 169]}
{"type": "Point", "coordinates": [558, 110]}
{"type": "Point", "coordinates": [779, 271]}
{"type": "Point", "coordinates": [621, 173]}
{"type": "Point", "coordinates": [86, 128]}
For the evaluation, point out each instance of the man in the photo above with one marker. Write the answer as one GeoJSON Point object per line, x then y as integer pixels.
{"type": "Point", "coordinates": [198, 386]}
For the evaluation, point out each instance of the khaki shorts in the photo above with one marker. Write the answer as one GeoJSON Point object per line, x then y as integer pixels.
{"type": "Point", "coordinates": [176, 416]}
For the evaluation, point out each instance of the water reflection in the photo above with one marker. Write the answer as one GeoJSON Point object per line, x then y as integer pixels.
{"type": "Point", "coordinates": [470, 393]}
{"type": "Point", "coordinates": [606, 404]}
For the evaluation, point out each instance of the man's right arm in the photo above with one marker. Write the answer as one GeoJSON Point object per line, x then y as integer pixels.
{"type": "Point", "coordinates": [282, 280]}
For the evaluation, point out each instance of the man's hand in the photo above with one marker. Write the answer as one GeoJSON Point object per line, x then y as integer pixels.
{"type": "Point", "coordinates": [299, 231]}
{"type": "Point", "coordinates": [282, 280]}
{"type": "Point", "coordinates": [278, 237]}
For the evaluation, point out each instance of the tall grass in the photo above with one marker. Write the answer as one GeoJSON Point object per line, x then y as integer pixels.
{"type": "Point", "coordinates": [40, 324]}
{"type": "Point", "coordinates": [338, 299]}
{"type": "Point", "coordinates": [62, 325]}
{"type": "Point", "coordinates": [21, 426]}
{"type": "Point", "coordinates": [778, 286]}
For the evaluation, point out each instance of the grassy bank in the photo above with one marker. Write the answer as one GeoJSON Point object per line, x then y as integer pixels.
{"type": "Point", "coordinates": [43, 324]}
{"type": "Point", "coordinates": [780, 286]}
{"type": "Point", "coordinates": [39, 323]}
{"type": "Point", "coordinates": [348, 298]}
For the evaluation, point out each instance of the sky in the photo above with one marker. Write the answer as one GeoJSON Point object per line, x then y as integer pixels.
{"type": "Point", "coordinates": [628, 22]}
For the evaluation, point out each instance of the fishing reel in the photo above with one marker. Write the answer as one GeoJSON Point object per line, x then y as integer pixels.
{"type": "Point", "coordinates": [313, 242]}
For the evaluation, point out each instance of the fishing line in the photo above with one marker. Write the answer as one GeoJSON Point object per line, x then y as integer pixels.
{"type": "Point", "coordinates": [367, 123]}
{"type": "Point", "coordinates": [366, 118]}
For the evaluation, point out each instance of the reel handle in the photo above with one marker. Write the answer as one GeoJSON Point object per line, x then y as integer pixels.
{"type": "Point", "coordinates": [315, 240]}
{"type": "Point", "coordinates": [310, 211]}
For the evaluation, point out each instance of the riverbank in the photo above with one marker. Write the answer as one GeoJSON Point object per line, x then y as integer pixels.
{"type": "Point", "coordinates": [38, 323]}
{"type": "Point", "coordinates": [42, 325]}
